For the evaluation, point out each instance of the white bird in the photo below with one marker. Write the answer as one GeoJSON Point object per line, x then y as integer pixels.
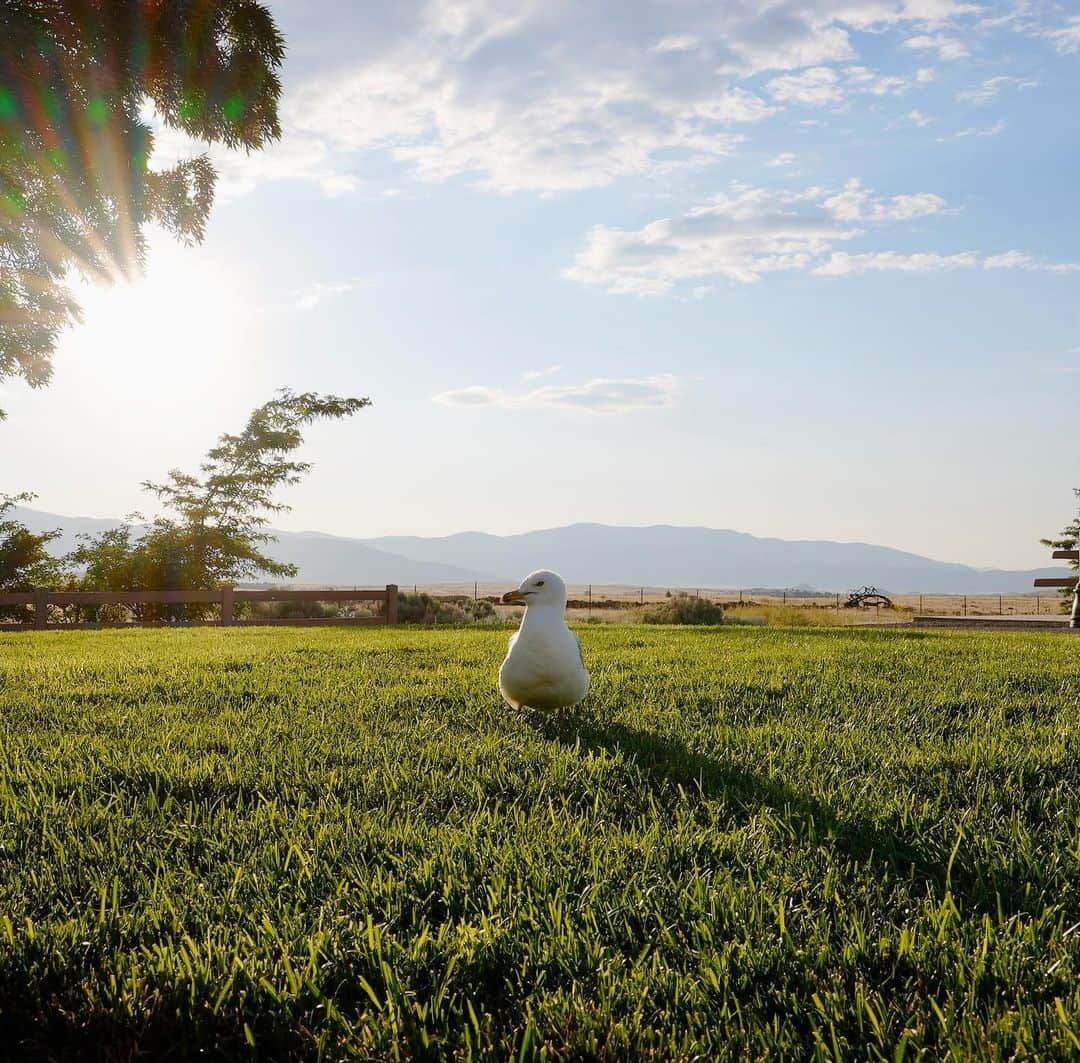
{"type": "Point", "coordinates": [544, 668]}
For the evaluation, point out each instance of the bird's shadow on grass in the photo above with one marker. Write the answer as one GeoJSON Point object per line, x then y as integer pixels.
{"type": "Point", "coordinates": [862, 841]}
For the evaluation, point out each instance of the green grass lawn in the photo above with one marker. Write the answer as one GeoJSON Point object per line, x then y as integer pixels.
{"type": "Point", "coordinates": [749, 843]}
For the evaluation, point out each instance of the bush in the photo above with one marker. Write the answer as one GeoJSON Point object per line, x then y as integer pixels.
{"type": "Point", "coordinates": [425, 609]}
{"type": "Point", "coordinates": [683, 609]}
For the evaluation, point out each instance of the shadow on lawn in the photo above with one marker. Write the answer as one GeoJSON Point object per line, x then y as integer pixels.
{"type": "Point", "coordinates": [863, 842]}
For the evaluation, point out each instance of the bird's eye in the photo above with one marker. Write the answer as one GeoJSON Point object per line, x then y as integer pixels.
{"type": "Point", "coordinates": [539, 582]}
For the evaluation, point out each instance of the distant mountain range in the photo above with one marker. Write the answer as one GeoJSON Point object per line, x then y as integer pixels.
{"type": "Point", "coordinates": [658, 556]}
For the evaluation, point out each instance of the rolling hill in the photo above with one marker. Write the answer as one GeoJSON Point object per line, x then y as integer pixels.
{"type": "Point", "coordinates": [658, 556]}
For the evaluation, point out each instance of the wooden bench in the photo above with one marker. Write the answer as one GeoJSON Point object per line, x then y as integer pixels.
{"type": "Point", "coordinates": [1066, 581]}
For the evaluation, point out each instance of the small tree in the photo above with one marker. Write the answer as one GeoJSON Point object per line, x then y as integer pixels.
{"type": "Point", "coordinates": [1067, 540]}
{"type": "Point", "coordinates": [76, 188]}
{"type": "Point", "coordinates": [25, 561]}
{"type": "Point", "coordinates": [216, 534]}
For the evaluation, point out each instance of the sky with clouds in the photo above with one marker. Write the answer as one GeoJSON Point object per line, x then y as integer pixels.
{"type": "Point", "coordinates": [808, 269]}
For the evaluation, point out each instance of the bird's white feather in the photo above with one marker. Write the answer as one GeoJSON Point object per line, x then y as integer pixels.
{"type": "Point", "coordinates": [544, 668]}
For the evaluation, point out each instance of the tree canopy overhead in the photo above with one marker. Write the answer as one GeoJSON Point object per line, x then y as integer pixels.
{"type": "Point", "coordinates": [76, 187]}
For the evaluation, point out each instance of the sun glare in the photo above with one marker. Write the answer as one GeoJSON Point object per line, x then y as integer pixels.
{"type": "Point", "coordinates": [186, 325]}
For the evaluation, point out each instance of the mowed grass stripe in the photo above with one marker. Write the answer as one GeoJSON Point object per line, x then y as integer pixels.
{"type": "Point", "coordinates": [748, 843]}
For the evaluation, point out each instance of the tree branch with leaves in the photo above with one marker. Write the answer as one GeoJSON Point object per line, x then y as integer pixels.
{"type": "Point", "coordinates": [76, 185]}
{"type": "Point", "coordinates": [215, 529]}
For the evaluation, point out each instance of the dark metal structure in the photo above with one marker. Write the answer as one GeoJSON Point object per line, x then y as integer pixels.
{"type": "Point", "coordinates": [866, 597]}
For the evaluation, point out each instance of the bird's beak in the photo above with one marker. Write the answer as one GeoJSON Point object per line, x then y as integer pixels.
{"type": "Point", "coordinates": [514, 597]}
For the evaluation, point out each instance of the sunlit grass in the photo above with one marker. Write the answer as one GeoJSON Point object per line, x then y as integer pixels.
{"type": "Point", "coordinates": [749, 843]}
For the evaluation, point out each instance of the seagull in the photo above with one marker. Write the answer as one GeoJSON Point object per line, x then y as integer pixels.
{"type": "Point", "coordinates": [544, 668]}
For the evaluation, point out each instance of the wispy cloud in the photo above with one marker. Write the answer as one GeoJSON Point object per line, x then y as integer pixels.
{"type": "Point", "coordinates": [785, 158]}
{"type": "Point", "coordinates": [751, 232]}
{"type": "Point", "coordinates": [978, 131]}
{"type": "Point", "coordinates": [1067, 38]}
{"type": "Point", "coordinates": [821, 86]}
{"type": "Point", "coordinates": [311, 296]}
{"type": "Point", "coordinates": [841, 264]}
{"type": "Point", "coordinates": [601, 395]}
{"type": "Point", "coordinates": [858, 203]}
{"type": "Point", "coordinates": [992, 86]}
{"type": "Point", "coordinates": [741, 235]}
{"type": "Point", "coordinates": [918, 118]}
{"type": "Point", "coordinates": [945, 46]}
{"type": "Point", "coordinates": [537, 374]}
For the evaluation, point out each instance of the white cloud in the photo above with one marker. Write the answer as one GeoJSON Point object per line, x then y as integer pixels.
{"type": "Point", "coordinates": [992, 86]}
{"type": "Point", "coordinates": [824, 85]}
{"type": "Point", "coordinates": [601, 395]}
{"type": "Point", "coordinates": [554, 95]}
{"type": "Point", "coordinates": [686, 43]}
{"type": "Point", "coordinates": [738, 236]}
{"type": "Point", "coordinates": [841, 264]}
{"type": "Point", "coordinates": [945, 46]}
{"type": "Point", "coordinates": [918, 118]}
{"type": "Point", "coordinates": [309, 297]}
{"type": "Point", "coordinates": [1010, 260]}
{"type": "Point", "coordinates": [537, 374]}
{"type": "Point", "coordinates": [785, 158]}
{"type": "Point", "coordinates": [856, 203]}
{"type": "Point", "coordinates": [741, 236]}
{"type": "Point", "coordinates": [1067, 38]}
{"type": "Point", "coordinates": [815, 87]}
{"type": "Point", "coordinates": [750, 232]}
{"type": "Point", "coordinates": [978, 131]}
{"type": "Point", "coordinates": [1022, 260]}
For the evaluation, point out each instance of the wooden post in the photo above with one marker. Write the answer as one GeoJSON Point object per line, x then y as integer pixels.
{"type": "Point", "coordinates": [228, 601]}
{"type": "Point", "coordinates": [41, 608]}
{"type": "Point", "coordinates": [391, 603]}
{"type": "Point", "coordinates": [1074, 620]}
{"type": "Point", "coordinates": [590, 597]}
{"type": "Point", "coordinates": [965, 605]}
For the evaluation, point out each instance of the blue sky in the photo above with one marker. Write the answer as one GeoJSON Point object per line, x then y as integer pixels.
{"type": "Point", "coordinates": [809, 271]}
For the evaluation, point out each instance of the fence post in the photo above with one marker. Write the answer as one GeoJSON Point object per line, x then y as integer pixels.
{"type": "Point", "coordinates": [1074, 620]}
{"type": "Point", "coordinates": [41, 609]}
{"type": "Point", "coordinates": [228, 600]}
{"type": "Point", "coordinates": [391, 603]}
{"type": "Point", "coordinates": [965, 605]}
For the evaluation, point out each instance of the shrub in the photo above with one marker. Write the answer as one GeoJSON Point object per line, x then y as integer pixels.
{"type": "Point", "coordinates": [683, 609]}
{"type": "Point", "coordinates": [426, 609]}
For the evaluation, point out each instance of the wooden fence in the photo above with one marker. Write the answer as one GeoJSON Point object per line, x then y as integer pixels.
{"type": "Point", "coordinates": [227, 598]}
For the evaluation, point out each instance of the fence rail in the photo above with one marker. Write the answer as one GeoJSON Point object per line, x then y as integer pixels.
{"type": "Point", "coordinates": [226, 598]}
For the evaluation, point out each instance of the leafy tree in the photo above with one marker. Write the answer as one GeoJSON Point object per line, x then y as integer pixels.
{"type": "Point", "coordinates": [76, 188]}
{"type": "Point", "coordinates": [25, 561]}
{"type": "Point", "coordinates": [1067, 539]}
{"type": "Point", "coordinates": [216, 532]}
